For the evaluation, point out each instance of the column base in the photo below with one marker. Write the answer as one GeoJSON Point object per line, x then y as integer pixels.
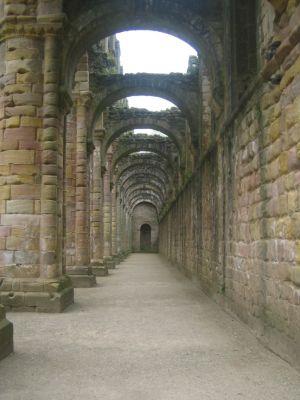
{"type": "Point", "coordinates": [83, 281]}
{"type": "Point", "coordinates": [116, 259]}
{"type": "Point", "coordinates": [40, 295]}
{"type": "Point", "coordinates": [109, 263]}
{"type": "Point", "coordinates": [125, 254]}
{"type": "Point", "coordinates": [82, 277]}
{"type": "Point", "coordinates": [100, 270]}
{"type": "Point", "coordinates": [6, 335]}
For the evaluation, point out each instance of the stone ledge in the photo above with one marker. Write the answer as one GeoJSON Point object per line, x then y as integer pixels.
{"type": "Point", "coordinates": [6, 335]}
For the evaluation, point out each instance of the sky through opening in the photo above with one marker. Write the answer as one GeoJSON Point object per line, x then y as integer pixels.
{"type": "Point", "coordinates": [153, 52]}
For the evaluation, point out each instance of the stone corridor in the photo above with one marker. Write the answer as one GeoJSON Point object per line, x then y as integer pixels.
{"type": "Point", "coordinates": [209, 180]}
{"type": "Point", "coordinates": [144, 333]}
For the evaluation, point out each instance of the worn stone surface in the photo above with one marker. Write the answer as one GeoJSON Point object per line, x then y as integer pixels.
{"type": "Point", "coordinates": [149, 333]}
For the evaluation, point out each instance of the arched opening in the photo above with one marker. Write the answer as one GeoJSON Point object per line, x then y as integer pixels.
{"type": "Point", "coordinates": [145, 238]}
{"type": "Point", "coordinates": [94, 21]}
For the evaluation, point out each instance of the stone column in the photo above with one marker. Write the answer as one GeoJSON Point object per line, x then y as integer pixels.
{"type": "Point", "coordinates": [118, 223]}
{"type": "Point", "coordinates": [98, 267]}
{"type": "Point", "coordinates": [81, 273]}
{"type": "Point", "coordinates": [6, 335]}
{"type": "Point", "coordinates": [114, 225]}
{"type": "Point", "coordinates": [49, 162]}
{"type": "Point", "coordinates": [124, 230]}
{"type": "Point", "coordinates": [107, 216]}
{"type": "Point", "coordinates": [120, 228]}
{"type": "Point", "coordinates": [127, 232]}
{"type": "Point", "coordinates": [70, 188]}
{"type": "Point", "coordinates": [29, 256]}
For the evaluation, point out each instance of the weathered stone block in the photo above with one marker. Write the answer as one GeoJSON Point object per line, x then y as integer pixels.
{"type": "Point", "coordinates": [37, 295]}
{"type": "Point", "coordinates": [9, 144]}
{"type": "Point", "coordinates": [15, 9]}
{"type": "Point", "coordinates": [48, 206]}
{"type": "Point", "coordinates": [22, 53]}
{"type": "Point", "coordinates": [31, 170]}
{"type": "Point", "coordinates": [5, 192]}
{"type": "Point", "coordinates": [25, 192]}
{"type": "Point", "coordinates": [19, 206]}
{"type": "Point", "coordinates": [17, 157]}
{"type": "Point", "coordinates": [83, 281]}
{"type": "Point", "coordinates": [31, 122]}
{"type": "Point", "coordinates": [12, 122]}
{"type": "Point", "coordinates": [33, 99]}
{"type": "Point", "coordinates": [14, 242]}
{"type": "Point", "coordinates": [28, 77]}
{"type": "Point", "coordinates": [29, 111]}
{"type": "Point", "coordinates": [6, 258]}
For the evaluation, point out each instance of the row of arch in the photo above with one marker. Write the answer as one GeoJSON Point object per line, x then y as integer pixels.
{"type": "Point", "coordinates": [199, 25]}
{"type": "Point", "coordinates": [77, 133]}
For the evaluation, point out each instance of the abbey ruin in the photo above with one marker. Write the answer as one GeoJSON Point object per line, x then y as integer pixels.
{"type": "Point", "coordinates": [217, 195]}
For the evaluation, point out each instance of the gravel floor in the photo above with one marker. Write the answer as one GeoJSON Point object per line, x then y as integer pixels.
{"type": "Point", "coordinates": [145, 333]}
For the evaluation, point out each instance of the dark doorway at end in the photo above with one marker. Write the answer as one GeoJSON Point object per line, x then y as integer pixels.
{"type": "Point", "coordinates": [145, 238]}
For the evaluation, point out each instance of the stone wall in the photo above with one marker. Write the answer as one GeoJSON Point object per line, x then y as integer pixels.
{"type": "Point", "coordinates": [240, 212]}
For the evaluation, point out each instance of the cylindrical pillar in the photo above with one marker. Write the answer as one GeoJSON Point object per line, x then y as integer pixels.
{"type": "Point", "coordinates": [81, 273]}
{"type": "Point", "coordinates": [98, 267]}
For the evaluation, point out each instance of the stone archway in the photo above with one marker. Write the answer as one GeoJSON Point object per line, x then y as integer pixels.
{"type": "Point", "coordinates": [155, 144]}
{"type": "Point", "coordinates": [181, 90]}
{"type": "Point", "coordinates": [171, 123]}
{"type": "Point", "coordinates": [196, 24]}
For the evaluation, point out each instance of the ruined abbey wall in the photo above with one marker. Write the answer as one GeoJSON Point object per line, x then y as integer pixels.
{"type": "Point", "coordinates": [240, 210]}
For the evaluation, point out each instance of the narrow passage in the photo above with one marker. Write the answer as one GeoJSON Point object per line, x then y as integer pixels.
{"type": "Point", "coordinates": [145, 333]}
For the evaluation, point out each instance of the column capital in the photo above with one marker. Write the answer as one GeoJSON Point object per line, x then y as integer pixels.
{"type": "Point", "coordinates": [83, 99]}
